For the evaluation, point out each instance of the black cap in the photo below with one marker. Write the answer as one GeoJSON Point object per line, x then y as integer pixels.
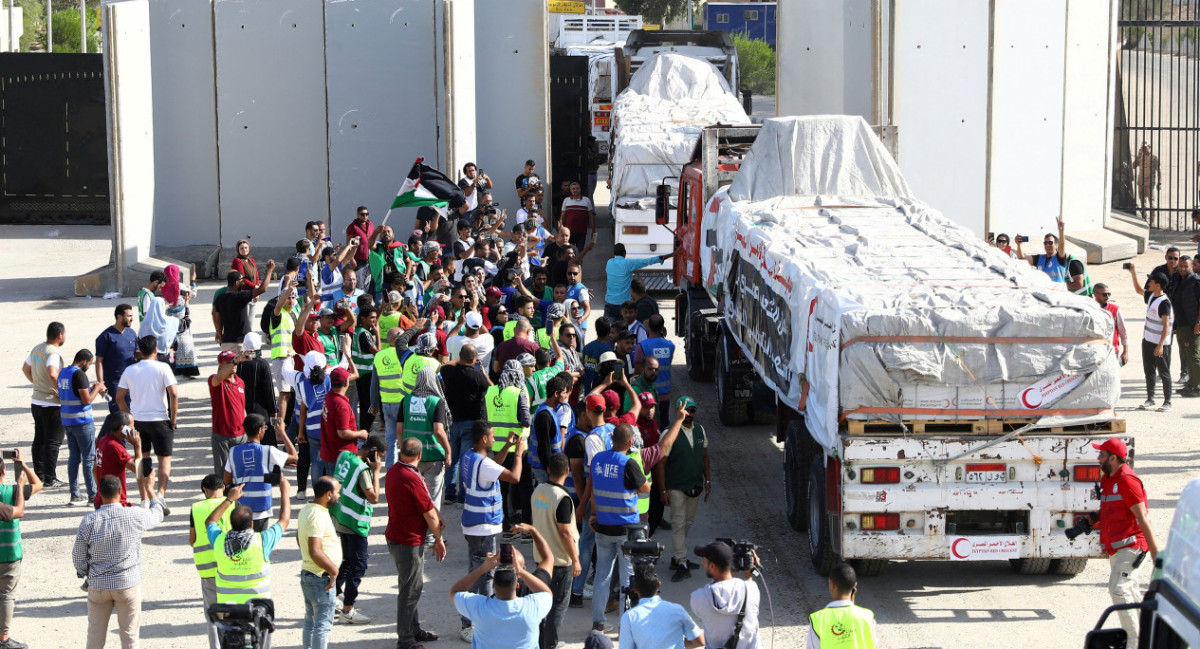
{"type": "Point", "coordinates": [718, 553]}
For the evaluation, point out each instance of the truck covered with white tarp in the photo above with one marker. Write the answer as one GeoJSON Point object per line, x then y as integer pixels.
{"type": "Point", "coordinates": [936, 398]}
{"type": "Point", "coordinates": [657, 121]}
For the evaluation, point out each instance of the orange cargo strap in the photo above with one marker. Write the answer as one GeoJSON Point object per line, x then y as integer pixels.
{"type": "Point", "coordinates": [981, 340]}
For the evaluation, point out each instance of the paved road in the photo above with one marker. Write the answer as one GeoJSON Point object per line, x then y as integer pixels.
{"type": "Point", "coordinates": [935, 604]}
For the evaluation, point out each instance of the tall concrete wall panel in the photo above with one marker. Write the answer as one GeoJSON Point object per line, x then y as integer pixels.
{"type": "Point", "coordinates": [271, 127]}
{"type": "Point", "coordinates": [824, 58]}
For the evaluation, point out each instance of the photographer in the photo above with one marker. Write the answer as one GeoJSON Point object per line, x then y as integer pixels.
{"type": "Point", "coordinates": [474, 182]}
{"type": "Point", "coordinates": [528, 182]}
{"type": "Point", "coordinates": [727, 603]}
{"type": "Point", "coordinates": [504, 621]}
{"type": "Point", "coordinates": [855, 625]}
{"type": "Point", "coordinates": [653, 623]}
{"type": "Point", "coordinates": [615, 484]}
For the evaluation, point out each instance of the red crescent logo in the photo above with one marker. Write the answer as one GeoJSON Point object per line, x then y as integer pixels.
{"type": "Point", "coordinates": [955, 552]}
{"type": "Point", "coordinates": [1027, 402]}
{"type": "Point", "coordinates": [834, 630]}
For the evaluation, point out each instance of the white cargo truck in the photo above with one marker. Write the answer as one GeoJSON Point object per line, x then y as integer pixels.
{"type": "Point", "coordinates": [936, 399]}
{"type": "Point", "coordinates": [657, 122]}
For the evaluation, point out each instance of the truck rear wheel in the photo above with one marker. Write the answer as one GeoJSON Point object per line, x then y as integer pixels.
{"type": "Point", "coordinates": [1030, 566]}
{"type": "Point", "coordinates": [820, 547]}
{"type": "Point", "coordinates": [795, 478]}
{"type": "Point", "coordinates": [733, 412]}
{"type": "Point", "coordinates": [693, 346]}
{"type": "Point", "coordinates": [869, 567]}
{"type": "Point", "coordinates": [1068, 566]}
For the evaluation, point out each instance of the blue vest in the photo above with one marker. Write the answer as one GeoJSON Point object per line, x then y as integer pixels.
{"type": "Point", "coordinates": [605, 432]}
{"type": "Point", "coordinates": [1050, 265]}
{"type": "Point", "coordinates": [314, 399]}
{"type": "Point", "coordinates": [482, 504]}
{"type": "Point", "coordinates": [664, 351]}
{"type": "Point", "coordinates": [249, 464]}
{"type": "Point", "coordinates": [556, 442]}
{"type": "Point", "coordinates": [74, 413]}
{"type": "Point", "coordinates": [615, 505]}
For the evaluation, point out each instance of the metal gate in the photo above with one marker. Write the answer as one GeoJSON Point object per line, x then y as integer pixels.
{"type": "Point", "coordinates": [1156, 156]}
{"type": "Point", "coordinates": [53, 139]}
{"type": "Point", "coordinates": [569, 123]}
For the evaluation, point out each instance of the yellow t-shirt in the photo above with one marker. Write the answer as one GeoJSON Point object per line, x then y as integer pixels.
{"type": "Point", "coordinates": [316, 521]}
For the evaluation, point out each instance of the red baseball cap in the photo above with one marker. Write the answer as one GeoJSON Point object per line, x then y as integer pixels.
{"type": "Point", "coordinates": [339, 376]}
{"type": "Point", "coordinates": [492, 291]}
{"type": "Point", "coordinates": [611, 400]}
{"type": "Point", "coordinates": [647, 399]}
{"type": "Point", "coordinates": [595, 403]}
{"type": "Point", "coordinates": [1114, 446]}
{"type": "Point", "coordinates": [226, 357]}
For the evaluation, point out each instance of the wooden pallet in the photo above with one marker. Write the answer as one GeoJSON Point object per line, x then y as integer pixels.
{"type": "Point", "coordinates": [972, 427]}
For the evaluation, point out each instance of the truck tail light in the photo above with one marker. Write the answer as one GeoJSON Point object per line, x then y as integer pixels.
{"type": "Point", "coordinates": [635, 229]}
{"type": "Point", "coordinates": [881, 475]}
{"type": "Point", "coordinates": [880, 522]}
{"type": "Point", "coordinates": [1087, 473]}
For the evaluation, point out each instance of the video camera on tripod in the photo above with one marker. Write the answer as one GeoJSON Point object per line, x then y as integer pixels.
{"type": "Point", "coordinates": [243, 626]}
{"type": "Point", "coordinates": [638, 546]}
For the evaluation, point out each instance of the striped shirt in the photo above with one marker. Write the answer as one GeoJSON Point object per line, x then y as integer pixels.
{"type": "Point", "coordinates": [108, 547]}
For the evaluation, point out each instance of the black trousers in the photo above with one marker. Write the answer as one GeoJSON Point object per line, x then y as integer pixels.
{"type": "Point", "coordinates": [365, 418]}
{"type": "Point", "coordinates": [48, 433]}
{"type": "Point", "coordinates": [518, 498]}
{"type": "Point", "coordinates": [1157, 366]}
{"type": "Point", "coordinates": [560, 590]}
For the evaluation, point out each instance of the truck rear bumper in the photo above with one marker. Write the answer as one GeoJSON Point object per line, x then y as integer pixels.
{"type": "Point", "coordinates": [897, 545]}
{"type": "Point", "coordinates": [641, 235]}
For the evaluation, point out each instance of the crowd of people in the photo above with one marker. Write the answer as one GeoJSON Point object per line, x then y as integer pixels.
{"type": "Point", "coordinates": [446, 371]}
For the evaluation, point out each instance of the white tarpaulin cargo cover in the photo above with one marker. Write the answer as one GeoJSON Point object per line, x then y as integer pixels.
{"type": "Point", "coordinates": [659, 116]}
{"type": "Point", "coordinates": [856, 300]}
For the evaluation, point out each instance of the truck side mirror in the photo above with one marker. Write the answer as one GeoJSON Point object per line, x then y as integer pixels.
{"type": "Point", "coordinates": [662, 204]}
{"type": "Point", "coordinates": [1106, 639]}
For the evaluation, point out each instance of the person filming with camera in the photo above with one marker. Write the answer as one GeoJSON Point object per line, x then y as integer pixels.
{"type": "Point", "coordinates": [727, 606]}
{"type": "Point", "coordinates": [842, 623]}
{"type": "Point", "coordinates": [506, 620]}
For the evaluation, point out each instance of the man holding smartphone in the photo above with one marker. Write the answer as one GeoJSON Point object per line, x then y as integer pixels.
{"type": "Point", "coordinates": [12, 510]}
{"type": "Point", "coordinates": [358, 473]}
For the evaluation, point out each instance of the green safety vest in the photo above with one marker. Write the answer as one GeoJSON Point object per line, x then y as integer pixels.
{"type": "Point", "coordinates": [643, 498]}
{"type": "Point", "coordinates": [333, 345]}
{"type": "Point", "coordinates": [387, 322]}
{"type": "Point", "coordinates": [387, 371]}
{"type": "Point", "coordinates": [537, 384]}
{"type": "Point", "coordinates": [418, 422]}
{"type": "Point", "coordinates": [244, 577]}
{"type": "Point", "coordinates": [10, 531]}
{"type": "Point", "coordinates": [502, 407]}
{"type": "Point", "coordinates": [1086, 289]}
{"type": "Point", "coordinates": [510, 329]}
{"type": "Point", "coordinates": [281, 335]}
{"type": "Point", "coordinates": [844, 626]}
{"type": "Point", "coordinates": [202, 552]}
{"type": "Point", "coordinates": [363, 361]}
{"type": "Point", "coordinates": [352, 509]}
{"type": "Point", "coordinates": [412, 367]}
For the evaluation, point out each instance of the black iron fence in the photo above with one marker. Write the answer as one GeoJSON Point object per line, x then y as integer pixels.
{"type": "Point", "coordinates": [1156, 156]}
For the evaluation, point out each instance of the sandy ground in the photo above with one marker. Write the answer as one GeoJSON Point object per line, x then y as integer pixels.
{"type": "Point", "coordinates": [936, 604]}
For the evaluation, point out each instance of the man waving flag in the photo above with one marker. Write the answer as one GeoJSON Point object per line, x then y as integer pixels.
{"type": "Point", "coordinates": [425, 186]}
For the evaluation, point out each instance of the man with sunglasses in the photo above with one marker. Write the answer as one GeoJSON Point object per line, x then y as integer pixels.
{"type": "Point", "coordinates": [577, 291]}
{"type": "Point", "coordinates": [362, 228]}
{"type": "Point", "coordinates": [1055, 262]}
{"type": "Point", "coordinates": [1120, 340]}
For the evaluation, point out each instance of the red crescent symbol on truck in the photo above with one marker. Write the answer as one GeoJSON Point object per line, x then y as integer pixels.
{"type": "Point", "coordinates": [954, 549]}
{"type": "Point", "coordinates": [1027, 402]}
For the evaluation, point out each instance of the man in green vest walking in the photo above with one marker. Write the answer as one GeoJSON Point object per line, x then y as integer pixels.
{"type": "Point", "coordinates": [425, 415]}
{"type": "Point", "coordinates": [687, 476]}
{"type": "Point", "coordinates": [358, 474]}
{"type": "Point", "coordinates": [202, 552]}
{"type": "Point", "coordinates": [12, 510]}
{"type": "Point", "coordinates": [842, 624]}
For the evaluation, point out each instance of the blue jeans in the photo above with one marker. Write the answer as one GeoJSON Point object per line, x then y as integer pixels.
{"type": "Point", "coordinates": [478, 548]}
{"type": "Point", "coordinates": [587, 539]}
{"type": "Point", "coordinates": [607, 549]}
{"type": "Point", "coordinates": [391, 411]}
{"type": "Point", "coordinates": [318, 610]}
{"type": "Point", "coordinates": [460, 443]}
{"type": "Point", "coordinates": [81, 444]}
{"type": "Point", "coordinates": [318, 468]}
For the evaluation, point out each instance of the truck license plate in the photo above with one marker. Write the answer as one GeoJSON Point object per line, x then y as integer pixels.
{"type": "Point", "coordinates": [987, 473]}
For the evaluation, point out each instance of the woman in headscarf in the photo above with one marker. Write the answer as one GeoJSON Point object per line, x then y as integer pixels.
{"type": "Point", "coordinates": [425, 415]}
{"type": "Point", "coordinates": [245, 265]}
{"type": "Point", "coordinates": [177, 298]}
{"type": "Point", "coordinates": [163, 327]}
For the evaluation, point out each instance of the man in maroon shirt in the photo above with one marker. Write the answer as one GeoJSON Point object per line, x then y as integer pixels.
{"type": "Point", "coordinates": [228, 395]}
{"type": "Point", "coordinates": [362, 228]}
{"type": "Point", "coordinates": [111, 456]}
{"type": "Point", "coordinates": [339, 429]}
{"type": "Point", "coordinates": [521, 343]}
{"type": "Point", "coordinates": [411, 515]}
{"type": "Point", "coordinates": [304, 338]}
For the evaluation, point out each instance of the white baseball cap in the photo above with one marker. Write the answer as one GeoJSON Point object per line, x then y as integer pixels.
{"type": "Point", "coordinates": [252, 342]}
{"type": "Point", "coordinates": [314, 359]}
{"type": "Point", "coordinates": [474, 320]}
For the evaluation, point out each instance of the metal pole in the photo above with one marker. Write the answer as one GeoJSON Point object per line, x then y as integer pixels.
{"type": "Point", "coordinates": [49, 26]}
{"type": "Point", "coordinates": [12, 47]}
{"type": "Point", "coordinates": [83, 26]}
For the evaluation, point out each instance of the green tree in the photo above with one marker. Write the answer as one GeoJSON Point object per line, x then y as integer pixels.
{"type": "Point", "coordinates": [656, 11]}
{"type": "Point", "coordinates": [66, 31]}
{"type": "Point", "coordinates": [34, 19]}
{"type": "Point", "coordinates": [756, 65]}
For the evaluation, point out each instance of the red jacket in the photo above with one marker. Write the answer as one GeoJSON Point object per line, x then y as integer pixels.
{"type": "Point", "coordinates": [1118, 528]}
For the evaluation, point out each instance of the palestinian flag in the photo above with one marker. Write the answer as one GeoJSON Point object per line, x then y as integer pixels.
{"type": "Point", "coordinates": [425, 186]}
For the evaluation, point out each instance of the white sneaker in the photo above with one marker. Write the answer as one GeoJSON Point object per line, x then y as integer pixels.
{"type": "Point", "coordinates": [353, 617]}
{"type": "Point", "coordinates": [467, 634]}
{"type": "Point", "coordinates": [587, 591]}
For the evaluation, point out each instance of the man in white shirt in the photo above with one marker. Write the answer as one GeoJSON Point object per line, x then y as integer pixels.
{"type": "Point", "coordinates": [528, 210]}
{"type": "Point", "coordinates": [473, 183]}
{"type": "Point", "coordinates": [147, 390]}
{"type": "Point", "coordinates": [475, 335]}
